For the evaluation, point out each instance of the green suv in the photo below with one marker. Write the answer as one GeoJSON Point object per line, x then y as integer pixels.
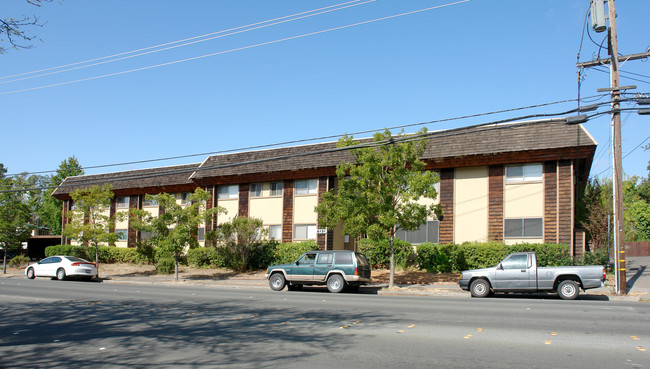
{"type": "Point", "coordinates": [336, 269]}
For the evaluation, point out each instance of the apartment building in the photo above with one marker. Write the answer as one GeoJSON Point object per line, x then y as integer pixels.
{"type": "Point", "coordinates": [514, 182]}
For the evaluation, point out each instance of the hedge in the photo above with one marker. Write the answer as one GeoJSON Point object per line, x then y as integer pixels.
{"type": "Point", "coordinates": [264, 255]}
{"type": "Point", "coordinates": [378, 253]}
{"type": "Point", "coordinates": [107, 254]}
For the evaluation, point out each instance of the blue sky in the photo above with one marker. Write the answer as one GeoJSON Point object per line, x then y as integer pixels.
{"type": "Point", "coordinates": [467, 58]}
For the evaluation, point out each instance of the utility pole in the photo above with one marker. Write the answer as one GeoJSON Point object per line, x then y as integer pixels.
{"type": "Point", "coordinates": [617, 177]}
{"type": "Point", "coordinates": [597, 9]}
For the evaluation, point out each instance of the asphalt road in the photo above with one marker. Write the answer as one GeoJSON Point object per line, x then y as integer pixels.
{"type": "Point", "coordinates": [74, 324]}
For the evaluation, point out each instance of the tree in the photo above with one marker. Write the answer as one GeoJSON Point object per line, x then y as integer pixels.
{"type": "Point", "coordinates": [597, 206]}
{"type": "Point", "coordinates": [12, 30]}
{"type": "Point", "coordinates": [88, 222]}
{"type": "Point", "coordinates": [175, 228]}
{"type": "Point", "coordinates": [15, 216]}
{"type": "Point", "coordinates": [240, 239]}
{"type": "Point", "coordinates": [50, 212]}
{"type": "Point", "coordinates": [379, 191]}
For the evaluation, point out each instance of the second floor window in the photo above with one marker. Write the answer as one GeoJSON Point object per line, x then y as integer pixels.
{"type": "Point", "coordinates": [255, 190]}
{"type": "Point", "coordinates": [228, 192]}
{"type": "Point", "coordinates": [122, 202]}
{"type": "Point", "coordinates": [306, 187]}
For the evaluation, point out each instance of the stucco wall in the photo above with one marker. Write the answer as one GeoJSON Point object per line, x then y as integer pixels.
{"type": "Point", "coordinates": [471, 204]}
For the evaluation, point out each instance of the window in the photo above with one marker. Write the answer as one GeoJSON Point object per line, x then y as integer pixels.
{"type": "Point", "coordinates": [342, 258]}
{"type": "Point", "coordinates": [256, 190]}
{"type": "Point", "coordinates": [149, 202]}
{"type": "Point", "coordinates": [276, 188]}
{"type": "Point", "coordinates": [275, 232]}
{"type": "Point", "coordinates": [304, 232]}
{"type": "Point", "coordinates": [524, 227]}
{"type": "Point", "coordinates": [121, 234]}
{"type": "Point", "coordinates": [427, 232]}
{"type": "Point", "coordinates": [515, 262]}
{"type": "Point", "coordinates": [228, 192]}
{"type": "Point", "coordinates": [324, 258]}
{"type": "Point", "coordinates": [307, 259]}
{"type": "Point", "coordinates": [201, 234]}
{"type": "Point", "coordinates": [306, 187]}
{"type": "Point", "coordinates": [146, 236]}
{"type": "Point", "coordinates": [122, 202]}
{"type": "Point", "coordinates": [524, 173]}
{"type": "Point", "coordinates": [186, 198]}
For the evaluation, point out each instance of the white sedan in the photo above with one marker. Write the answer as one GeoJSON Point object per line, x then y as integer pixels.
{"type": "Point", "coordinates": [60, 267]}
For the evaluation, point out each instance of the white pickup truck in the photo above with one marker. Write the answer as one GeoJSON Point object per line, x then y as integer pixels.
{"type": "Point", "coordinates": [518, 272]}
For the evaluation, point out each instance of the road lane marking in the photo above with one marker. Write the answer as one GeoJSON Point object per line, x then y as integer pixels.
{"type": "Point", "coordinates": [548, 342]}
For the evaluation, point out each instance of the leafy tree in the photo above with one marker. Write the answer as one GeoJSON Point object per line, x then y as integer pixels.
{"type": "Point", "coordinates": [15, 216]}
{"type": "Point", "coordinates": [240, 239]}
{"type": "Point", "coordinates": [596, 209]}
{"type": "Point", "coordinates": [379, 191]}
{"type": "Point", "coordinates": [12, 30]}
{"type": "Point", "coordinates": [88, 222]}
{"type": "Point", "coordinates": [176, 227]}
{"type": "Point", "coordinates": [50, 212]}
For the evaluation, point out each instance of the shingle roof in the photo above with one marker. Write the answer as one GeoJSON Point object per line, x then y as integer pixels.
{"type": "Point", "coordinates": [476, 140]}
{"type": "Point", "coordinates": [141, 178]}
{"type": "Point", "coordinates": [454, 143]}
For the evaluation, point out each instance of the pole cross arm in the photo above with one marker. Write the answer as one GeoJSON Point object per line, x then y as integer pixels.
{"type": "Point", "coordinates": [622, 58]}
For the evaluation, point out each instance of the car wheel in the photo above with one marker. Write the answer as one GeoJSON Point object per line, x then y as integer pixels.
{"type": "Point", "coordinates": [277, 282]}
{"type": "Point", "coordinates": [60, 274]}
{"type": "Point", "coordinates": [335, 283]}
{"type": "Point", "coordinates": [294, 287]}
{"type": "Point", "coordinates": [30, 273]}
{"type": "Point", "coordinates": [568, 290]}
{"type": "Point", "coordinates": [480, 288]}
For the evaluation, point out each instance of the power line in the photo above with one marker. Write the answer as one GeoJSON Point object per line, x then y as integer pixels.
{"type": "Point", "coordinates": [231, 50]}
{"type": "Point", "coordinates": [447, 133]}
{"type": "Point", "coordinates": [184, 42]}
{"type": "Point", "coordinates": [443, 120]}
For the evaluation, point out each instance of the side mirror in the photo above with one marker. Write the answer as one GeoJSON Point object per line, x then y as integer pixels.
{"type": "Point", "coordinates": [297, 262]}
{"type": "Point", "coordinates": [500, 267]}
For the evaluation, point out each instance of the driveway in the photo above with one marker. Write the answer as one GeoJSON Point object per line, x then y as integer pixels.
{"type": "Point", "coordinates": [638, 273]}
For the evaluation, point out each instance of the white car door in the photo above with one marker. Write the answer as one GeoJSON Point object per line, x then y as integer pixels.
{"type": "Point", "coordinates": [47, 267]}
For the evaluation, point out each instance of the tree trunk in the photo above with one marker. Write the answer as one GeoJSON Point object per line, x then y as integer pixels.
{"type": "Point", "coordinates": [176, 265]}
{"type": "Point", "coordinates": [4, 261]}
{"type": "Point", "coordinates": [97, 260]}
{"type": "Point", "coordinates": [391, 280]}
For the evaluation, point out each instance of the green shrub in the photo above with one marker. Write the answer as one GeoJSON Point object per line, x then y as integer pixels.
{"type": "Point", "coordinates": [440, 258]}
{"type": "Point", "coordinates": [166, 265]}
{"type": "Point", "coordinates": [378, 253]}
{"type": "Point", "coordinates": [19, 261]}
{"type": "Point", "coordinates": [69, 250]}
{"type": "Point", "coordinates": [206, 257]}
{"type": "Point", "coordinates": [263, 256]}
{"type": "Point", "coordinates": [286, 253]}
{"type": "Point", "coordinates": [598, 257]}
{"type": "Point", "coordinates": [474, 255]}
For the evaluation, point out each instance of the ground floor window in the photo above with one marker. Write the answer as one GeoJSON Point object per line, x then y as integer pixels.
{"type": "Point", "coordinates": [428, 232]}
{"type": "Point", "coordinates": [201, 234]}
{"type": "Point", "coordinates": [121, 234]}
{"type": "Point", "coordinates": [524, 227]}
{"type": "Point", "coordinates": [275, 232]}
{"type": "Point", "coordinates": [304, 232]}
